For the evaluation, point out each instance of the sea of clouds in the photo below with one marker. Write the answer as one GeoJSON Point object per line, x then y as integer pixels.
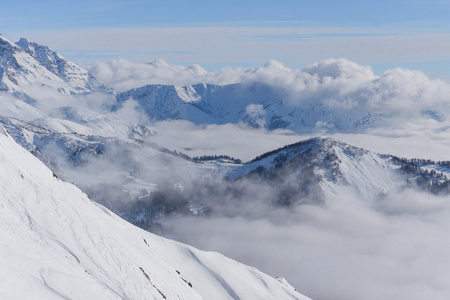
{"type": "Point", "coordinates": [348, 248]}
{"type": "Point", "coordinates": [338, 82]}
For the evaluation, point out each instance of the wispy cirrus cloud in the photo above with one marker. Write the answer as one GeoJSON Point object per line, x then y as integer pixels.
{"type": "Point", "coordinates": [215, 47]}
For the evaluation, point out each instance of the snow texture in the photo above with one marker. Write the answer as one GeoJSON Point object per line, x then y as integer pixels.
{"type": "Point", "coordinates": [58, 244]}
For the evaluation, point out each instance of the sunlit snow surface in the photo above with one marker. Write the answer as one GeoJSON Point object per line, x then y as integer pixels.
{"type": "Point", "coordinates": [58, 244]}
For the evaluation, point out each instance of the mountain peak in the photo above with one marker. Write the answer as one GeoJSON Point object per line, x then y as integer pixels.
{"type": "Point", "coordinates": [27, 63]}
{"type": "Point", "coordinates": [159, 63]}
{"type": "Point", "coordinates": [31, 47]}
{"type": "Point", "coordinates": [318, 144]}
{"type": "Point", "coordinates": [6, 44]}
{"type": "Point", "coordinates": [23, 41]}
{"type": "Point", "coordinates": [321, 165]}
{"type": "Point", "coordinates": [26, 45]}
{"type": "Point", "coordinates": [53, 61]}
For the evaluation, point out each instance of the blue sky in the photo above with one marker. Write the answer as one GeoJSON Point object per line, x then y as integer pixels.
{"type": "Point", "coordinates": [384, 34]}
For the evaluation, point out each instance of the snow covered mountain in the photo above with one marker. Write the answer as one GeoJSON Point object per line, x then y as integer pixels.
{"type": "Point", "coordinates": [77, 139]}
{"type": "Point", "coordinates": [58, 244]}
{"type": "Point", "coordinates": [26, 64]}
{"type": "Point", "coordinates": [257, 104]}
{"type": "Point", "coordinates": [320, 169]}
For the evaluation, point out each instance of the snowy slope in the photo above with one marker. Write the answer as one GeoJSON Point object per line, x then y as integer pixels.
{"type": "Point", "coordinates": [18, 68]}
{"type": "Point", "coordinates": [27, 66]}
{"type": "Point", "coordinates": [58, 244]}
{"type": "Point", "coordinates": [255, 103]}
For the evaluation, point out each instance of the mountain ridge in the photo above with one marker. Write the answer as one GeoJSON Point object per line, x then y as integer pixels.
{"type": "Point", "coordinates": [256, 104]}
{"type": "Point", "coordinates": [327, 165]}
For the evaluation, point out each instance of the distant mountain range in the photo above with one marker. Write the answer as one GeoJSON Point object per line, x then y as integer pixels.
{"type": "Point", "coordinates": [254, 103]}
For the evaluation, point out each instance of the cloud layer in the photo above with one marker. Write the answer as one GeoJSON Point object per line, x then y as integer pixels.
{"type": "Point", "coordinates": [339, 80]}
{"type": "Point", "coordinates": [351, 248]}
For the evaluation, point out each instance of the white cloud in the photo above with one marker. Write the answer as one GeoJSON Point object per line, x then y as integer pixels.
{"type": "Point", "coordinates": [336, 83]}
{"type": "Point", "coordinates": [123, 75]}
